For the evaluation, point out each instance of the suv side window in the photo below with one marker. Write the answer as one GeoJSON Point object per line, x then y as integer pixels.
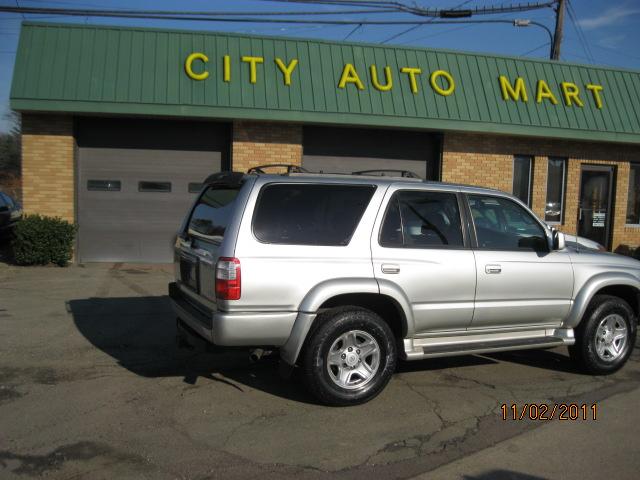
{"type": "Point", "coordinates": [308, 214]}
{"type": "Point", "coordinates": [422, 219]}
{"type": "Point", "coordinates": [502, 224]}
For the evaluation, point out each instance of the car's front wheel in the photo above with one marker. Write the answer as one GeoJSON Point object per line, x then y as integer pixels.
{"type": "Point", "coordinates": [350, 357]}
{"type": "Point", "coordinates": [606, 335]}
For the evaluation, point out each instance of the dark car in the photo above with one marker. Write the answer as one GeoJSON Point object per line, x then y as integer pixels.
{"type": "Point", "coordinates": [10, 213]}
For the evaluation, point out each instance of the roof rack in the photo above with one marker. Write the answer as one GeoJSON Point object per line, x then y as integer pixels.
{"type": "Point", "coordinates": [384, 172]}
{"type": "Point", "coordinates": [290, 168]}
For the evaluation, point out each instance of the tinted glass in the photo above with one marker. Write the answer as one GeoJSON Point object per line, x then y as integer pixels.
{"type": "Point", "coordinates": [3, 200]}
{"type": "Point", "coordinates": [310, 214]}
{"type": "Point", "coordinates": [212, 213]}
{"type": "Point", "coordinates": [422, 220]}
{"type": "Point", "coordinates": [633, 198]}
{"type": "Point", "coordinates": [391, 232]}
{"type": "Point", "coordinates": [154, 186]}
{"type": "Point", "coordinates": [555, 189]}
{"type": "Point", "coordinates": [504, 225]}
{"type": "Point", "coordinates": [522, 177]}
{"type": "Point", "coordinates": [103, 185]}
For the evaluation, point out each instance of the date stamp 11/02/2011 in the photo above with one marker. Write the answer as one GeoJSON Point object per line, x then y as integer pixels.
{"type": "Point", "coordinates": [546, 412]}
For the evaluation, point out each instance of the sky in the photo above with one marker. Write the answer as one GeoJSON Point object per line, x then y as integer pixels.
{"type": "Point", "coordinates": [610, 28]}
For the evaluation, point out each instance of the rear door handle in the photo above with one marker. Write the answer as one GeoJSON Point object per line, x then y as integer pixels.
{"type": "Point", "coordinates": [492, 269]}
{"type": "Point", "coordinates": [390, 268]}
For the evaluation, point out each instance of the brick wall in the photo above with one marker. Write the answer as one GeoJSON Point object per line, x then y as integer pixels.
{"type": "Point", "coordinates": [487, 160]}
{"type": "Point", "coordinates": [260, 143]}
{"type": "Point", "coordinates": [48, 179]}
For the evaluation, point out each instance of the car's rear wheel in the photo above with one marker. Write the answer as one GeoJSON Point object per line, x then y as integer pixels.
{"type": "Point", "coordinates": [350, 357]}
{"type": "Point", "coordinates": [606, 335]}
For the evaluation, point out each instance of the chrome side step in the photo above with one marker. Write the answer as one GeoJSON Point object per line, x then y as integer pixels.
{"type": "Point", "coordinates": [418, 349]}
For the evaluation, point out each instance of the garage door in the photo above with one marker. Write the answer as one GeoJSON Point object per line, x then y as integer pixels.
{"type": "Point", "coordinates": [136, 181]}
{"type": "Point", "coordinates": [345, 150]}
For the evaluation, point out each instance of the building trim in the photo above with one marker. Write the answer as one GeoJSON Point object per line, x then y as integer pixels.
{"type": "Point", "coordinates": [350, 119]}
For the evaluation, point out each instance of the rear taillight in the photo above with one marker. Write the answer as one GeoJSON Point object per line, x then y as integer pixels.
{"type": "Point", "coordinates": [228, 279]}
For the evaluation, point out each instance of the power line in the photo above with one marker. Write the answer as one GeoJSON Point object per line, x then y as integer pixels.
{"type": "Point", "coordinates": [410, 29]}
{"type": "Point", "coordinates": [534, 49]}
{"type": "Point", "coordinates": [428, 12]}
{"type": "Point", "coordinates": [415, 27]}
{"type": "Point", "coordinates": [449, 30]}
{"type": "Point", "coordinates": [143, 13]}
{"type": "Point", "coordinates": [201, 16]}
{"type": "Point", "coordinates": [171, 15]}
{"type": "Point", "coordinates": [352, 31]}
{"type": "Point", "coordinates": [581, 36]}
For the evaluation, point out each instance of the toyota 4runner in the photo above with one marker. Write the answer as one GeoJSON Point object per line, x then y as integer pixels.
{"type": "Point", "coordinates": [347, 274]}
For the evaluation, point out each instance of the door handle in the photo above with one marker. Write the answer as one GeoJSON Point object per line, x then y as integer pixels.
{"type": "Point", "coordinates": [390, 268]}
{"type": "Point", "coordinates": [492, 269]}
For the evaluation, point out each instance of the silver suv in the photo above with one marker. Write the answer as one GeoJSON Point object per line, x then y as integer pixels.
{"type": "Point", "coordinates": [347, 274]}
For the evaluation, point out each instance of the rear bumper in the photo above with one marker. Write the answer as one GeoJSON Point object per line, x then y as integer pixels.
{"type": "Point", "coordinates": [232, 329]}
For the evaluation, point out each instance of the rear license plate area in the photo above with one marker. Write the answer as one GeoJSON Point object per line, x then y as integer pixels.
{"type": "Point", "coordinates": [189, 271]}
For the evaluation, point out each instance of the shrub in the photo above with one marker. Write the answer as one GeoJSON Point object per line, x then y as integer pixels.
{"type": "Point", "coordinates": [39, 240]}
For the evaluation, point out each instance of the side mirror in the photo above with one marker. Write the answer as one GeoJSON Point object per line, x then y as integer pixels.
{"type": "Point", "coordinates": [558, 240]}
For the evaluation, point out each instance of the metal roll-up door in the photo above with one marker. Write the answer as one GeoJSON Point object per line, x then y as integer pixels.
{"type": "Point", "coordinates": [345, 150]}
{"type": "Point", "coordinates": [136, 181]}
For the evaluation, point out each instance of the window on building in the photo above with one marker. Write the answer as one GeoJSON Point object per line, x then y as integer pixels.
{"type": "Point", "coordinates": [633, 198]}
{"type": "Point", "coordinates": [195, 187]}
{"type": "Point", "coordinates": [422, 220]}
{"type": "Point", "coordinates": [556, 172]}
{"type": "Point", "coordinates": [154, 186]}
{"type": "Point", "coordinates": [522, 166]}
{"type": "Point", "coordinates": [103, 185]}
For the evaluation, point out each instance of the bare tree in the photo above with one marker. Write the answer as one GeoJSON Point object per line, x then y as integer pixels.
{"type": "Point", "coordinates": [10, 146]}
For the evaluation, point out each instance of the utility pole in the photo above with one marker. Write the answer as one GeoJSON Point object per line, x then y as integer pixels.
{"type": "Point", "coordinates": [557, 37]}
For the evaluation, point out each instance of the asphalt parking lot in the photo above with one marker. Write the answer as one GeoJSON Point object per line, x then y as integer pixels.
{"type": "Point", "coordinates": [93, 386]}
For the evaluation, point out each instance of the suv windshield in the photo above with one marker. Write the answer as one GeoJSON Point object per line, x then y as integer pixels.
{"type": "Point", "coordinates": [212, 213]}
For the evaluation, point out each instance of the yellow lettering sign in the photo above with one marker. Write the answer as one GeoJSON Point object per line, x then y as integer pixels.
{"type": "Point", "coordinates": [517, 92]}
{"type": "Point", "coordinates": [287, 70]}
{"type": "Point", "coordinates": [412, 72]}
{"type": "Point", "coordinates": [543, 91]}
{"type": "Point", "coordinates": [376, 83]}
{"type": "Point", "coordinates": [595, 91]}
{"type": "Point", "coordinates": [571, 94]}
{"type": "Point", "coordinates": [188, 66]}
{"type": "Point", "coordinates": [226, 68]}
{"type": "Point", "coordinates": [349, 75]}
{"type": "Point", "coordinates": [253, 61]}
{"type": "Point", "coordinates": [433, 79]}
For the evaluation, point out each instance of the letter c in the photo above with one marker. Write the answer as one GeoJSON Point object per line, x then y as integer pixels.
{"type": "Point", "coordinates": [189, 70]}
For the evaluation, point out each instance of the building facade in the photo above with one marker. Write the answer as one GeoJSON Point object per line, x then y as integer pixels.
{"type": "Point", "coordinates": [121, 125]}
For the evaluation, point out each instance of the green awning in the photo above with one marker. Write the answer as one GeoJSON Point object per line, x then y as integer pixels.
{"type": "Point", "coordinates": [138, 71]}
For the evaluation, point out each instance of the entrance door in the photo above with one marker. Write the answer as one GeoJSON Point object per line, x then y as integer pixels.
{"type": "Point", "coordinates": [594, 212]}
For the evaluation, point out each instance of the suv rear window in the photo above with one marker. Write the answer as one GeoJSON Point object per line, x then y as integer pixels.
{"type": "Point", "coordinates": [212, 213]}
{"type": "Point", "coordinates": [303, 214]}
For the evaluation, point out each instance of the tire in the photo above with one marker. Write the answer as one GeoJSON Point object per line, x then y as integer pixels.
{"type": "Point", "coordinates": [596, 349]}
{"type": "Point", "coordinates": [338, 376]}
